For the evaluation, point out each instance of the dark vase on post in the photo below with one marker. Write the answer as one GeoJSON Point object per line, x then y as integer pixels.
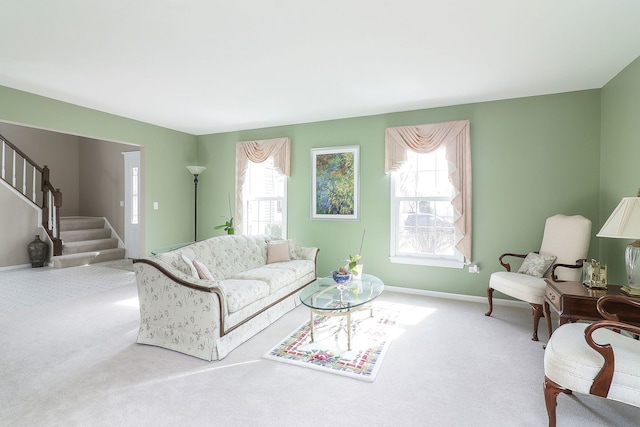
{"type": "Point", "coordinates": [38, 252]}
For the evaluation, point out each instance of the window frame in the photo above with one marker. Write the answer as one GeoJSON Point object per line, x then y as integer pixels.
{"type": "Point", "coordinates": [283, 199]}
{"type": "Point", "coordinates": [450, 261]}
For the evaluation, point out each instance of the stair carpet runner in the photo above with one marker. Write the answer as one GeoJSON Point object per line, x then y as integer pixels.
{"type": "Point", "coordinates": [86, 240]}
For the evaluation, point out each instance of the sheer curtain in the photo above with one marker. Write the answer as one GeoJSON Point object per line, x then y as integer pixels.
{"type": "Point", "coordinates": [278, 149]}
{"type": "Point", "coordinates": [455, 136]}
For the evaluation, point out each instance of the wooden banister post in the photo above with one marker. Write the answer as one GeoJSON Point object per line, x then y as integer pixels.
{"type": "Point", "coordinates": [57, 202]}
{"type": "Point", "coordinates": [44, 180]}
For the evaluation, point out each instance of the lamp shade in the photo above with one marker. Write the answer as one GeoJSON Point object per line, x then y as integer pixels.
{"type": "Point", "coordinates": [624, 222]}
{"type": "Point", "coordinates": [196, 170]}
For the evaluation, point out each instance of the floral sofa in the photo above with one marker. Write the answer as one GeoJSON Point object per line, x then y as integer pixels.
{"type": "Point", "coordinates": [207, 298]}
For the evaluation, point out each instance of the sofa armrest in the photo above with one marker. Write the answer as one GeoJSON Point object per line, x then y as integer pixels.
{"type": "Point", "coordinates": [170, 277]}
{"type": "Point", "coordinates": [181, 278]}
{"type": "Point", "coordinates": [303, 252]}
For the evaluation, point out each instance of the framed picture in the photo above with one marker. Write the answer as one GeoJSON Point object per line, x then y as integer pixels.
{"type": "Point", "coordinates": [335, 182]}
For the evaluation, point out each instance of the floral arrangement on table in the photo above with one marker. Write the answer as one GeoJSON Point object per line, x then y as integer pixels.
{"type": "Point", "coordinates": [353, 267]}
{"type": "Point", "coordinates": [228, 225]}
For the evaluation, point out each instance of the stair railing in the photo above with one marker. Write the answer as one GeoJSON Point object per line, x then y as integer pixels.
{"type": "Point", "coordinates": [23, 175]}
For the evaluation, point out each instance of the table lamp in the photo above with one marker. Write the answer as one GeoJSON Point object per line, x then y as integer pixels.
{"type": "Point", "coordinates": [624, 223]}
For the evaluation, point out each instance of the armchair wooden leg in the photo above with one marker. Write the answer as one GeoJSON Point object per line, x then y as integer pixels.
{"type": "Point", "coordinates": [537, 314]}
{"type": "Point", "coordinates": [547, 316]}
{"type": "Point", "coordinates": [490, 298]}
{"type": "Point", "coordinates": [551, 392]}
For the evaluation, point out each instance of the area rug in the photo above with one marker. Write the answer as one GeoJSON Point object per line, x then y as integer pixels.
{"type": "Point", "coordinates": [370, 340]}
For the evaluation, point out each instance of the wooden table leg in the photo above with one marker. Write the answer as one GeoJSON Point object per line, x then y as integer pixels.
{"type": "Point", "coordinates": [547, 315]}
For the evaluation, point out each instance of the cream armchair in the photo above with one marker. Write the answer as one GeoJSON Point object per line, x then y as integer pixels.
{"type": "Point", "coordinates": [565, 244]}
{"type": "Point", "coordinates": [594, 359]}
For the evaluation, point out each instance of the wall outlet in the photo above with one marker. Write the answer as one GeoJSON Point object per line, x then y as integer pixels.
{"type": "Point", "coordinates": [475, 268]}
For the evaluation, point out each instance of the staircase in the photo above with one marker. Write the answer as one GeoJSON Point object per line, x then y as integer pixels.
{"type": "Point", "coordinates": [86, 240]}
{"type": "Point", "coordinates": [23, 175]}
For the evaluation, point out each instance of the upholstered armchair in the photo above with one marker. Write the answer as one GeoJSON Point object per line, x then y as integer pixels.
{"type": "Point", "coordinates": [602, 359]}
{"type": "Point", "coordinates": [565, 244]}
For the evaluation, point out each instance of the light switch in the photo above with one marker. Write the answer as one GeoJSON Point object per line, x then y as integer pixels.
{"type": "Point", "coordinates": [122, 203]}
{"type": "Point", "coordinates": [155, 205]}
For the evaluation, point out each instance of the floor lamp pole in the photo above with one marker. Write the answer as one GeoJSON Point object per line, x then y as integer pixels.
{"type": "Point", "coordinates": [195, 208]}
{"type": "Point", "coordinates": [195, 170]}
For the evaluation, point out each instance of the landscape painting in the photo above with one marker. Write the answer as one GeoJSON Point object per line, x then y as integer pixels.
{"type": "Point", "coordinates": [335, 183]}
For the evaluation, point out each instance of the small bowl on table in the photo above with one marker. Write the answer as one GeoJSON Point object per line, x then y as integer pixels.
{"type": "Point", "coordinates": [340, 279]}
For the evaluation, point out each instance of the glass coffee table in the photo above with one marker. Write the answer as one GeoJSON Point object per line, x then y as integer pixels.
{"type": "Point", "coordinates": [326, 298]}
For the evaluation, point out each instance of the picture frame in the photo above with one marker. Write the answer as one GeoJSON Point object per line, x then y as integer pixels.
{"type": "Point", "coordinates": [335, 183]}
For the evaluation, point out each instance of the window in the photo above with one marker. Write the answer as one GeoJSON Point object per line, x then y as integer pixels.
{"type": "Point", "coordinates": [262, 169]}
{"type": "Point", "coordinates": [134, 195]}
{"type": "Point", "coordinates": [422, 214]}
{"type": "Point", "coordinates": [264, 200]}
{"type": "Point", "coordinates": [430, 167]}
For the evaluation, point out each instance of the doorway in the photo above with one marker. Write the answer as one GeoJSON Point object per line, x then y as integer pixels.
{"type": "Point", "coordinates": [132, 203]}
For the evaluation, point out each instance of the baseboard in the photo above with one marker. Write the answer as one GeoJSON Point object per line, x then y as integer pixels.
{"type": "Point", "coordinates": [15, 267]}
{"type": "Point", "coordinates": [398, 289]}
{"type": "Point", "coordinates": [459, 297]}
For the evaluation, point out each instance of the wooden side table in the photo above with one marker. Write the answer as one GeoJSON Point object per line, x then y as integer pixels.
{"type": "Point", "coordinates": [574, 301]}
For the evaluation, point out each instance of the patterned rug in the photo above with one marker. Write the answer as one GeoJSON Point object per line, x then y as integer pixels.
{"type": "Point", "coordinates": [370, 340]}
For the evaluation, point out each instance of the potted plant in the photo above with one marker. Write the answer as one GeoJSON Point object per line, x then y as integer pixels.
{"type": "Point", "coordinates": [228, 225]}
{"type": "Point", "coordinates": [355, 264]}
{"type": "Point", "coordinates": [352, 269]}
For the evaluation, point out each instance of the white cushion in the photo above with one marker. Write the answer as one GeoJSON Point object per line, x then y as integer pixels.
{"type": "Point", "coordinates": [241, 293]}
{"type": "Point", "coordinates": [192, 268]}
{"type": "Point", "coordinates": [276, 278]}
{"type": "Point", "coordinates": [520, 286]}
{"type": "Point", "coordinates": [571, 363]}
{"type": "Point", "coordinates": [567, 238]}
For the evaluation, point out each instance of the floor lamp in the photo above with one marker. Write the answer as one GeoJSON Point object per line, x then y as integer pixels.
{"type": "Point", "coordinates": [195, 171]}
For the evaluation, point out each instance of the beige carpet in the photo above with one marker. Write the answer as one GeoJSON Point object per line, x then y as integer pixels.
{"type": "Point", "coordinates": [74, 362]}
{"type": "Point", "coordinates": [27, 287]}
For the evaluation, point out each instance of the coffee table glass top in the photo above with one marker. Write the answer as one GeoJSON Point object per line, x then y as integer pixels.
{"type": "Point", "coordinates": [324, 294]}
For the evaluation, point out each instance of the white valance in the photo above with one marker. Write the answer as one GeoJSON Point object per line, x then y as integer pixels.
{"type": "Point", "coordinates": [455, 136]}
{"type": "Point", "coordinates": [278, 149]}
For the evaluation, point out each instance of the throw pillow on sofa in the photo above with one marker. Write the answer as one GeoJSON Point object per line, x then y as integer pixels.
{"type": "Point", "coordinates": [192, 267]}
{"type": "Point", "coordinates": [278, 251]}
{"type": "Point", "coordinates": [203, 271]}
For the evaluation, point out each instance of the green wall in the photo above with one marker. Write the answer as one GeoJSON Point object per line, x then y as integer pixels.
{"type": "Point", "coordinates": [572, 153]}
{"type": "Point", "coordinates": [165, 153]}
{"type": "Point", "coordinates": [532, 158]}
{"type": "Point", "coordinates": [620, 156]}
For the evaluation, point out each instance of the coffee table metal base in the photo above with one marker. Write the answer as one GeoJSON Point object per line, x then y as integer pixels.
{"type": "Point", "coordinates": [337, 313]}
{"type": "Point", "coordinates": [326, 298]}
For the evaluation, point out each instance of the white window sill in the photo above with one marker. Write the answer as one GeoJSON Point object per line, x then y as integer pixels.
{"type": "Point", "coordinates": [432, 262]}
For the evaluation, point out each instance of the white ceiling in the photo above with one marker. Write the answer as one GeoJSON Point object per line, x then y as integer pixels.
{"type": "Point", "coordinates": [208, 66]}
